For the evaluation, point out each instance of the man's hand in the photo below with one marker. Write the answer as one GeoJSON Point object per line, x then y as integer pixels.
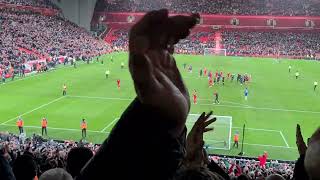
{"type": "Point", "coordinates": [157, 80]}
{"type": "Point", "coordinates": [195, 152]}
{"type": "Point", "coordinates": [302, 147]}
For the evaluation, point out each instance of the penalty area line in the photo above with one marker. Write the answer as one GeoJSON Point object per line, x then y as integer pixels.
{"type": "Point", "coordinates": [112, 122]}
{"type": "Point", "coordinates": [53, 128]}
{"type": "Point", "coordinates": [284, 139]}
{"type": "Point", "coordinates": [262, 108]}
{"type": "Point", "coordinates": [28, 112]}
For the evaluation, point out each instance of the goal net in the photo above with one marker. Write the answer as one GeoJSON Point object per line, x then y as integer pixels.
{"type": "Point", "coordinates": [215, 52]}
{"type": "Point", "coordinates": [220, 137]}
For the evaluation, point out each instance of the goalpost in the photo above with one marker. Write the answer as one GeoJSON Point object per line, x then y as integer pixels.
{"type": "Point", "coordinates": [215, 52]}
{"type": "Point", "coordinates": [220, 137]}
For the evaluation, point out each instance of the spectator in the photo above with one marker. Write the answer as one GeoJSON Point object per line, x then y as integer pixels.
{"type": "Point", "coordinates": [77, 158]}
{"type": "Point", "coordinates": [25, 168]}
{"type": "Point", "coordinates": [132, 130]}
{"type": "Point", "coordinates": [263, 160]}
{"type": "Point", "coordinates": [56, 174]}
{"type": "Point", "coordinates": [312, 158]}
{"type": "Point", "coordinates": [275, 177]}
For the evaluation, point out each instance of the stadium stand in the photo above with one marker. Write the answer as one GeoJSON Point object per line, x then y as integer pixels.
{"type": "Point", "coordinates": [27, 36]}
{"type": "Point", "coordinates": [47, 36]}
{"type": "Point", "coordinates": [240, 43]}
{"type": "Point", "coordinates": [230, 7]}
{"type": "Point", "coordinates": [255, 43]}
{"type": "Point", "coordinates": [194, 44]}
{"type": "Point", "coordinates": [34, 3]}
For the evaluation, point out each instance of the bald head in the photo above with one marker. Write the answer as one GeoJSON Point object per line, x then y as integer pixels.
{"type": "Point", "coordinates": [312, 158]}
{"type": "Point", "coordinates": [275, 177]}
{"type": "Point", "coordinates": [56, 174]}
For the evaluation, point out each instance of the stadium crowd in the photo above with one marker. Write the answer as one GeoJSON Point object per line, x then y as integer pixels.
{"type": "Point", "coordinates": [150, 140]}
{"type": "Point", "coordinates": [27, 36]}
{"type": "Point", "coordinates": [302, 44]}
{"type": "Point", "coordinates": [242, 43]}
{"type": "Point", "coordinates": [47, 35]}
{"type": "Point", "coordinates": [34, 3]}
{"type": "Point", "coordinates": [253, 168]}
{"type": "Point", "coordinates": [238, 7]}
{"type": "Point", "coordinates": [196, 43]}
{"type": "Point", "coordinates": [50, 154]}
{"type": "Point", "coordinates": [41, 155]}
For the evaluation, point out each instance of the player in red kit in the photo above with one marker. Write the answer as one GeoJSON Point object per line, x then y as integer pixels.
{"type": "Point", "coordinates": [205, 72]}
{"type": "Point", "coordinates": [210, 82]}
{"type": "Point", "coordinates": [195, 97]}
{"type": "Point", "coordinates": [118, 83]}
{"type": "Point", "coordinates": [217, 74]}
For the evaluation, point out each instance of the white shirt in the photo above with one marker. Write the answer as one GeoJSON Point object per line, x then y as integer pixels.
{"type": "Point", "coordinates": [315, 83]}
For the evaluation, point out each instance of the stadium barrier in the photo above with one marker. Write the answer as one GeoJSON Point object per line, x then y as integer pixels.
{"type": "Point", "coordinates": [225, 21]}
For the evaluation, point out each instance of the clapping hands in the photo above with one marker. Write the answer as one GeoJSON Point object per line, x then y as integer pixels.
{"type": "Point", "coordinates": [196, 155]}
{"type": "Point", "coordinates": [157, 80]}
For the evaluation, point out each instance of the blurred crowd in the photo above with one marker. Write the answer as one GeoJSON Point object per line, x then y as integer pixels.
{"type": "Point", "coordinates": [239, 7]}
{"type": "Point", "coordinates": [302, 44]}
{"type": "Point", "coordinates": [36, 3]}
{"type": "Point", "coordinates": [47, 35]}
{"type": "Point", "coordinates": [27, 36]}
{"type": "Point", "coordinates": [196, 43]}
{"type": "Point", "coordinates": [44, 154]}
{"type": "Point", "coordinates": [253, 168]}
{"type": "Point", "coordinates": [49, 154]}
{"type": "Point", "coordinates": [242, 43]}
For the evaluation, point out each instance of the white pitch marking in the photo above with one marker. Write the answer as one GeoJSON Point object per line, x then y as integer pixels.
{"type": "Point", "coordinates": [105, 98]}
{"type": "Point", "coordinates": [284, 139]}
{"type": "Point", "coordinates": [28, 112]}
{"type": "Point", "coordinates": [263, 108]}
{"type": "Point", "coordinates": [263, 145]}
{"type": "Point", "coordinates": [253, 129]}
{"type": "Point", "coordinates": [64, 129]}
{"type": "Point", "coordinates": [231, 106]}
{"type": "Point", "coordinates": [109, 125]}
{"type": "Point", "coordinates": [256, 129]}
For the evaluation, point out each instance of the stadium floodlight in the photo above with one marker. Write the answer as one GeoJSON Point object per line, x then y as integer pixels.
{"type": "Point", "coordinates": [215, 52]}
{"type": "Point", "coordinates": [220, 137]}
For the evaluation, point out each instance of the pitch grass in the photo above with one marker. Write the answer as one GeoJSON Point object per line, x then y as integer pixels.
{"type": "Point", "coordinates": [277, 101]}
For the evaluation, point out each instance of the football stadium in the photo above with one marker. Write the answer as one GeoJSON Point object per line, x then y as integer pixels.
{"type": "Point", "coordinates": [91, 89]}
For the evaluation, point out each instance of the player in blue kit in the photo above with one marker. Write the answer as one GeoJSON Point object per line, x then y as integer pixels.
{"type": "Point", "coordinates": [246, 93]}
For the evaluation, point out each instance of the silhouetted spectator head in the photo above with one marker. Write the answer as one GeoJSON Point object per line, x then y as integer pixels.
{"type": "Point", "coordinates": [56, 174]}
{"type": "Point", "coordinates": [24, 167]}
{"type": "Point", "coordinates": [312, 158]}
{"type": "Point", "coordinates": [197, 174]}
{"type": "Point", "coordinates": [77, 158]}
{"type": "Point", "coordinates": [243, 177]}
{"type": "Point", "coordinates": [275, 177]}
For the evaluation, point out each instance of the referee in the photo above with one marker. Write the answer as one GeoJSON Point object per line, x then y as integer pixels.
{"type": "Point", "coordinates": [315, 84]}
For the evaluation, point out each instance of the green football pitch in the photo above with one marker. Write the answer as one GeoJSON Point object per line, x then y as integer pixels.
{"type": "Point", "coordinates": [276, 103]}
